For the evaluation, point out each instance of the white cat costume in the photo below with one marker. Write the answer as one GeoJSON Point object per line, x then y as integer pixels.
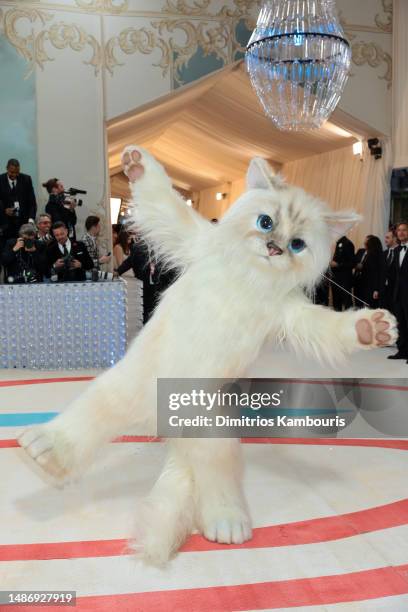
{"type": "Point", "coordinates": [243, 283]}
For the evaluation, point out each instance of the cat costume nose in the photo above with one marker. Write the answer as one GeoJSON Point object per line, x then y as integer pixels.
{"type": "Point", "coordinates": [273, 248]}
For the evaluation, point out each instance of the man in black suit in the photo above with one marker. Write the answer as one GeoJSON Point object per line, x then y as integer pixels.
{"type": "Point", "coordinates": [17, 200]}
{"type": "Point", "coordinates": [387, 296]}
{"type": "Point", "coordinates": [342, 274]}
{"type": "Point", "coordinates": [401, 292]}
{"type": "Point", "coordinates": [67, 259]}
{"type": "Point", "coordinates": [155, 279]}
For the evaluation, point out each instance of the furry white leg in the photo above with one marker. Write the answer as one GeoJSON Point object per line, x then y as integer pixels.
{"type": "Point", "coordinates": [221, 512]}
{"type": "Point", "coordinates": [66, 445]}
{"type": "Point", "coordinates": [165, 518]}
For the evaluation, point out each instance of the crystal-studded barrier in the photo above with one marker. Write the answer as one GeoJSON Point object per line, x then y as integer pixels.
{"type": "Point", "coordinates": [62, 326]}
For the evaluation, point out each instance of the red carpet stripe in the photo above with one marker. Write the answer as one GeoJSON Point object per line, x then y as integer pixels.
{"type": "Point", "coordinates": [13, 443]}
{"type": "Point", "coordinates": [43, 381]}
{"type": "Point", "coordinates": [311, 531]}
{"type": "Point", "coordinates": [9, 444]}
{"type": "Point", "coordinates": [294, 381]}
{"type": "Point", "coordinates": [364, 442]}
{"type": "Point", "coordinates": [322, 590]}
{"type": "Point", "coordinates": [63, 550]}
{"type": "Point", "coordinates": [369, 442]}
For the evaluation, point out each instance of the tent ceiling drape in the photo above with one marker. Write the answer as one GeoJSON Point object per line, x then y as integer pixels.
{"type": "Point", "coordinates": [206, 133]}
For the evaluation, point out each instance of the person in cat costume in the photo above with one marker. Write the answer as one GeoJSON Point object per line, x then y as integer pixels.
{"type": "Point", "coordinates": [243, 283]}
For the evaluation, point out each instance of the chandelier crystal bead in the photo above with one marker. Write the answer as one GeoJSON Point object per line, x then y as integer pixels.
{"type": "Point", "coordinates": [298, 61]}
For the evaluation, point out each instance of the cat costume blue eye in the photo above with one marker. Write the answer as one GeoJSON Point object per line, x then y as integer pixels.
{"type": "Point", "coordinates": [297, 245]}
{"type": "Point", "coordinates": [264, 223]}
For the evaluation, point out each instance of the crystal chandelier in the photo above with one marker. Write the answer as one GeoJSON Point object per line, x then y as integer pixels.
{"type": "Point", "coordinates": [298, 61]}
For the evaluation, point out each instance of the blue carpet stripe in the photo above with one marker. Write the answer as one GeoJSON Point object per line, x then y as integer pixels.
{"type": "Point", "coordinates": [22, 419]}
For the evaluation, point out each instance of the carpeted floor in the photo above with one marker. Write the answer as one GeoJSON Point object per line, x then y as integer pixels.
{"type": "Point", "coordinates": [330, 517]}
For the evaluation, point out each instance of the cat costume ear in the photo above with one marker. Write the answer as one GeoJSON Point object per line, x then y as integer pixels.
{"type": "Point", "coordinates": [340, 223]}
{"type": "Point", "coordinates": [261, 176]}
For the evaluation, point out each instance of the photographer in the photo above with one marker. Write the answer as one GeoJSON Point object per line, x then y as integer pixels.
{"type": "Point", "coordinates": [68, 259]}
{"type": "Point", "coordinates": [24, 257]}
{"type": "Point", "coordinates": [60, 206]}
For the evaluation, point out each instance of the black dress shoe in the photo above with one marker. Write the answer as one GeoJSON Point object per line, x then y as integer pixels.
{"type": "Point", "coordinates": [397, 356]}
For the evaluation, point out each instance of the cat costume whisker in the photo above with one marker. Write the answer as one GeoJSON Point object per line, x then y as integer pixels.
{"type": "Point", "coordinates": [344, 290]}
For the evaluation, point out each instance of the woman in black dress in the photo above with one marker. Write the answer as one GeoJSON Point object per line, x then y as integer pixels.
{"type": "Point", "coordinates": [369, 273]}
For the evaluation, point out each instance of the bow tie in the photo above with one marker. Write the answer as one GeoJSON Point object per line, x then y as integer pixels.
{"type": "Point", "coordinates": [404, 247]}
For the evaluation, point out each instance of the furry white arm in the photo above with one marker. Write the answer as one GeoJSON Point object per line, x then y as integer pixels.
{"type": "Point", "coordinates": [329, 336]}
{"type": "Point", "coordinates": [161, 215]}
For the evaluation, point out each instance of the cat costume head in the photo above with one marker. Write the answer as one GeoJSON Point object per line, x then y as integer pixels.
{"type": "Point", "coordinates": [283, 231]}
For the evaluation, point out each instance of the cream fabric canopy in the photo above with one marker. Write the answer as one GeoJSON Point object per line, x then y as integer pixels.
{"type": "Point", "coordinates": [206, 133]}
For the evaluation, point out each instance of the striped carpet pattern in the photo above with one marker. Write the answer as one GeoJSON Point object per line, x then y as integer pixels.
{"type": "Point", "coordinates": [330, 523]}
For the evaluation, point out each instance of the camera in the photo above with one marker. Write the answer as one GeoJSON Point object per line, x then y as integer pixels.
{"type": "Point", "coordinates": [73, 191]}
{"type": "Point", "coordinates": [97, 275]}
{"type": "Point", "coordinates": [70, 200]}
{"type": "Point", "coordinates": [26, 276]}
{"type": "Point", "coordinates": [30, 276]}
{"type": "Point", "coordinates": [67, 261]}
{"type": "Point", "coordinates": [29, 243]}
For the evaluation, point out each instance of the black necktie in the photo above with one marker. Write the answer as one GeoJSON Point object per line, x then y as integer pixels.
{"type": "Point", "coordinates": [65, 251]}
{"type": "Point", "coordinates": [13, 185]}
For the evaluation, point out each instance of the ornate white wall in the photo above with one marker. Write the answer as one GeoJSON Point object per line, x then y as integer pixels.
{"type": "Point", "coordinates": [368, 95]}
{"type": "Point", "coordinates": [92, 60]}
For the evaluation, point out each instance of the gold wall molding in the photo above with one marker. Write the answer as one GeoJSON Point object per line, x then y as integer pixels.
{"type": "Point", "coordinates": [134, 40]}
{"type": "Point", "coordinates": [212, 38]}
{"type": "Point", "coordinates": [177, 8]}
{"type": "Point", "coordinates": [368, 52]}
{"type": "Point", "coordinates": [372, 54]}
{"type": "Point", "coordinates": [199, 8]}
{"type": "Point", "coordinates": [60, 35]}
{"type": "Point", "coordinates": [191, 8]}
{"type": "Point", "coordinates": [182, 7]}
{"type": "Point", "coordinates": [385, 26]}
{"type": "Point", "coordinates": [29, 47]}
{"type": "Point", "coordinates": [114, 7]}
{"type": "Point", "coordinates": [214, 35]}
